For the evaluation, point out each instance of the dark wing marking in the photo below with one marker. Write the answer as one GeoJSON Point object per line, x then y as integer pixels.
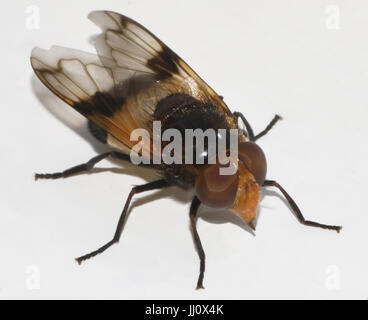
{"type": "Point", "coordinates": [82, 81]}
{"type": "Point", "coordinates": [120, 89]}
{"type": "Point", "coordinates": [125, 42]}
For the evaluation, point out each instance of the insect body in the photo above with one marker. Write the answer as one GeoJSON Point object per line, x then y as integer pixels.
{"type": "Point", "coordinates": [135, 81]}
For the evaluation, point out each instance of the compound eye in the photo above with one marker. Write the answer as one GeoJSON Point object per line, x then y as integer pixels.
{"type": "Point", "coordinates": [254, 159]}
{"type": "Point", "coordinates": [215, 189]}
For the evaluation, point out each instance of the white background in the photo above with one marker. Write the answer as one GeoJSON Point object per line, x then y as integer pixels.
{"type": "Point", "coordinates": [264, 57]}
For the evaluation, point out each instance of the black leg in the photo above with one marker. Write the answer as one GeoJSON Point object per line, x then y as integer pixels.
{"type": "Point", "coordinates": [250, 132]}
{"type": "Point", "coordinates": [83, 167]}
{"type": "Point", "coordinates": [193, 219]}
{"type": "Point", "coordinates": [268, 128]}
{"type": "Point", "coordinates": [159, 184]}
{"type": "Point", "coordinates": [294, 207]}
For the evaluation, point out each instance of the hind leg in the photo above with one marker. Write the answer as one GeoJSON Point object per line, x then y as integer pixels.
{"type": "Point", "coordinates": [84, 167]}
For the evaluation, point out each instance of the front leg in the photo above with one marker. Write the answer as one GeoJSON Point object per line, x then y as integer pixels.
{"type": "Point", "coordinates": [250, 131]}
{"type": "Point", "coordinates": [296, 210]}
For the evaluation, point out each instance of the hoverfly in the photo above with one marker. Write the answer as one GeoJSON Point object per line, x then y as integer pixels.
{"type": "Point", "coordinates": [136, 79]}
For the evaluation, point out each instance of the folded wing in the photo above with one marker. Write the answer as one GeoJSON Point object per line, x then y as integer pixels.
{"type": "Point", "coordinates": [119, 88]}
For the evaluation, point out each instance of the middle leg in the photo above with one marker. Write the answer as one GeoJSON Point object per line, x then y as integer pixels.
{"type": "Point", "coordinates": [158, 184]}
{"type": "Point", "coordinates": [193, 220]}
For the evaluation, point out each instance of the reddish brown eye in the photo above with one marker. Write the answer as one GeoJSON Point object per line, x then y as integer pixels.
{"type": "Point", "coordinates": [214, 189]}
{"type": "Point", "coordinates": [254, 159]}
